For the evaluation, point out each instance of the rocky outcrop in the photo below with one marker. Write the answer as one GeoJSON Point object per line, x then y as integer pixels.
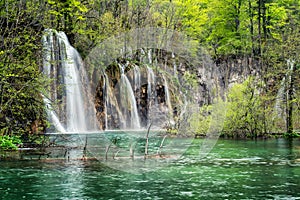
{"type": "Point", "coordinates": [199, 84]}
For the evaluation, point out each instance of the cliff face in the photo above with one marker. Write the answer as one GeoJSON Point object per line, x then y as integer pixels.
{"type": "Point", "coordinates": [162, 89]}
{"type": "Point", "coordinates": [236, 70]}
{"type": "Point", "coordinates": [144, 92]}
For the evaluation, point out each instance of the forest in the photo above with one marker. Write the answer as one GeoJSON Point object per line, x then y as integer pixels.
{"type": "Point", "coordinates": [263, 31]}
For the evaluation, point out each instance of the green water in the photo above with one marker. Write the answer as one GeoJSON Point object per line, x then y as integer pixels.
{"type": "Point", "coordinates": [232, 170]}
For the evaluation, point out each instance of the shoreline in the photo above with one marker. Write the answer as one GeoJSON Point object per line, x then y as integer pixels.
{"type": "Point", "coordinates": [62, 152]}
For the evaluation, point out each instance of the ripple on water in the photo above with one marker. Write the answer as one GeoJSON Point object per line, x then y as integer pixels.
{"type": "Point", "coordinates": [258, 173]}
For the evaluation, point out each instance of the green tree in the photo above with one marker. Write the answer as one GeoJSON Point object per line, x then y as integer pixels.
{"type": "Point", "coordinates": [245, 112]}
{"type": "Point", "coordinates": [21, 106]}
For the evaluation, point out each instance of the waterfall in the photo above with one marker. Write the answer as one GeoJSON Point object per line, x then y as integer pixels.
{"type": "Point", "coordinates": [110, 101]}
{"type": "Point", "coordinates": [167, 95]}
{"type": "Point", "coordinates": [128, 103]}
{"type": "Point", "coordinates": [168, 100]}
{"type": "Point", "coordinates": [151, 93]}
{"type": "Point", "coordinates": [47, 41]}
{"type": "Point", "coordinates": [106, 91]}
{"type": "Point", "coordinates": [281, 96]}
{"type": "Point", "coordinates": [150, 56]}
{"type": "Point", "coordinates": [49, 54]}
{"type": "Point", "coordinates": [53, 117]}
{"type": "Point", "coordinates": [174, 66]}
{"type": "Point", "coordinates": [137, 83]}
{"type": "Point", "coordinates": [79, 114]}
{"type": "Point", "coordinates": [122, 107]}
{"type": "Point", "coordinates": [74, 99]}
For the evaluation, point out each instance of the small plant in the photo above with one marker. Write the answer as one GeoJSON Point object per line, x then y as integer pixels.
{"type": "Point", "coordinates": [9, 142]}
{"type": "Point", "coordinates": [291, 135]}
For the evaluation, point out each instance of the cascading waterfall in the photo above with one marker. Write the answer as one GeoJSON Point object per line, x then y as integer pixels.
{"type": "Point", "coordinates": [75, 103]}
{"type": "Point", "coordinates": [151, 83]}
{"type": "Point", "coordinates": [76, 110]}
{"type": "Point", "coordinates": [168, 100]}
{"type": "Point", "coordinates": [174, 66]}
{"type": "Point", "coordinates": [151, 93]}
{"type": "Point", "coordinates": [128, 103]}
{"type": "Point", "coordinates": [79, 112]}
{"type": "Point", "coordinates": [137, 77]}
{"type": "Point", "coordinates": [111, 106]}
{"type": "Point", "coordinates": [53, 117]}
{"type": "Point", "coordinates": [48, 47]}
{"type": "Point", "coordinates": [150, 56]}
{"type": "Point", "coordinates": [137, 83]}
{"type": "Point", "coordinates": [131, 110]}
{"type": "Point", "coordinates": [106, 91]}
{"type": "Point", "coordinates": [281, 96]}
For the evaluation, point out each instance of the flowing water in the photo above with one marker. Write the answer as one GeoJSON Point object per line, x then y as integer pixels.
{"type": "Point", "coordinates": [263, 169]}
{"type": "Point", "coordinates": [281, 97]}
{"type": "Point", "coordinates": [64, 65]}
{"type": "Point", "coordinates": [128, 103]}
{"type": "Point", "coordinates": [70, 101]}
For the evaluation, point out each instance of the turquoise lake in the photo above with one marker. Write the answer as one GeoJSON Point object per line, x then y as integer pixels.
{"type": "Point", "coordinates": [234, 169]}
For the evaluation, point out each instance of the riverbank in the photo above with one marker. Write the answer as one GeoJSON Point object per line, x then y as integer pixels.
{"type": "Point", "coordinates": [117, 146]}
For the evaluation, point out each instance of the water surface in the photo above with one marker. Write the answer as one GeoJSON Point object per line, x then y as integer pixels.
{"type": "Point", "coordinates": [265, 169]}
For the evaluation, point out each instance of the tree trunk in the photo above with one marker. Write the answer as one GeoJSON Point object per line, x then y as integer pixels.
{"type": "Point", "coordinates": [251, 27]}
{"type": "Point", "coordinates": [264, 20]}
{"type": "Point", "coordinates": [259, 26]}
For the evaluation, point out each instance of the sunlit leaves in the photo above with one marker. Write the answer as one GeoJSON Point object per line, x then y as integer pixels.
{"type": "Point", "coordinates": [244, 115]}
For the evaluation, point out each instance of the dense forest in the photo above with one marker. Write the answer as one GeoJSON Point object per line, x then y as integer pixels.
{"type": "Point", "coordinates": [265, 31]}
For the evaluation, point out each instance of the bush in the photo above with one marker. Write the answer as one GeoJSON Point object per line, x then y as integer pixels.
{"type": "Point", "coordinates": [9, 142]}
{"type": "Point", "coordinates": [245, 113]}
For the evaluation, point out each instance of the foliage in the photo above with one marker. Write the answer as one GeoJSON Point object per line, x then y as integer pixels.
{"type": "Point", "coordinates": [244, 113]}
{"type": "Point", "coordinates": [291, 135]}
{"type": "Point", "coordinates": [20, 79]}
{"type": "Point", "coordinates": [200, 120]}
{"type": "Point", "coordinates": [9, 142]}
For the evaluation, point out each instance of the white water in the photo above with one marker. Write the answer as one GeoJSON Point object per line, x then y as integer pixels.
{"type": "Point", "coordinates": [167, 95]}
{"type": "Point", "coordinates": [47, 41]}
{"type": "Point", "coordinates": [53, 117]}
{"type": "Point", "coordinates": [137, 78]}
{"type": "Point", "coordinates": [168, 100]}
{"type": "Point", "coordinates": [75, 111]}
{"type": "Point", "coordinates": [78, 117]}
{"type": "Point", "coordinates": [106, 91]}
{"type": "Point", "coordinates": [110, 103]}
{"type": "Point", "coordinates": [150, 56]}
{"type": "Point", "coordinates": [128, 103]}
{"type": "Point", "coordinates": [280, 98]}
{"type": "Point", "coordinates": [151, 94]}
{"type": "Point", "coordinates": [151, 82]}
{"type": "Point", "coordinates": [125, 110]}
{"type": "Point", "coordinates": [281, 95]}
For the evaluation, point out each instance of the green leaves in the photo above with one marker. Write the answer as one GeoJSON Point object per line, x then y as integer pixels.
{"type": "Point", "coordinates": [200, 120]}
{"type": "Point", "coordinates": [9, 142]}
{"type": "Point", "coordinates": [20, 79]}
{"type": "Point", "coordinates": [244, 115]}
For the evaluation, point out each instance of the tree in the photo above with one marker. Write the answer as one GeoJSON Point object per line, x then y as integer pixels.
{"type": "Point", "coordinates": [245, 111]}
{"type": "Point", "coordinates": [21, 106]}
